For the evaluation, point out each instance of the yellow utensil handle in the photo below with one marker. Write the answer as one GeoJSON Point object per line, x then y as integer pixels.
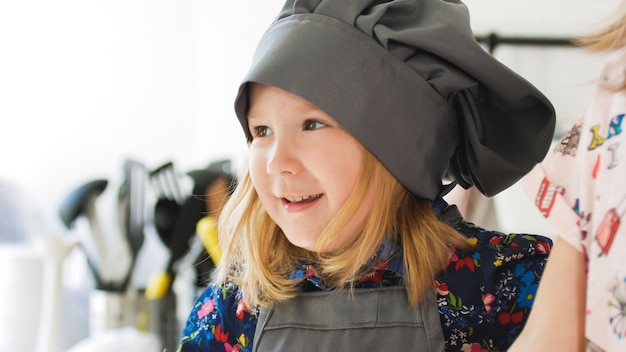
{"type": "Point", "coordinates": [207, 231]}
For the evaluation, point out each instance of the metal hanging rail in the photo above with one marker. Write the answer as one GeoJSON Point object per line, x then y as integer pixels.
{"type": "Point", "coordinates": [493, 40]}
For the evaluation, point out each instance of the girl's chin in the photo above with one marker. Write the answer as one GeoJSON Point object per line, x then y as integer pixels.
{"type": "Point", "coordinates": [303, 243]}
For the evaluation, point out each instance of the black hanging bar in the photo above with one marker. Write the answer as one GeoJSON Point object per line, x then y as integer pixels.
{"type": "Point", "coordinates": [493, 40]}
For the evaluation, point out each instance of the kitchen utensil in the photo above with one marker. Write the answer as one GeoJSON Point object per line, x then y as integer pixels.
{"type": "Point", "coordinates": [166, 184]}
{"type": "Point", "coordinates": [216, 195]}
{"type": "Point", "coordinates": [131, 211]}
{"type": "Point", "coordinates": [170, 199]}
{"type": "Point", "coordinates": [177, 236]}
{"type": "Point", "coordinates": [82, 202]}
{"type": "Point", "coordinates": [209, 254]}
{"type": "Point", "coordinates": [207, 231]}
{"type": "Point", "coordinates": [54, 249]}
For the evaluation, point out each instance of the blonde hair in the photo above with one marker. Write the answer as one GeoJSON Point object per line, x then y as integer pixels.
{"type": "Point", "coordinates": [610, 37]}
{"type": "Point", "coordinates": [259, 259]}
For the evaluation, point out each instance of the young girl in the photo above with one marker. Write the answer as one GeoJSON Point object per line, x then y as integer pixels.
{"type": "Point", "coordinates": [337, 237]}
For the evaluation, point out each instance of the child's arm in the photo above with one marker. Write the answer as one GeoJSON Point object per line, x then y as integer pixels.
{"type": "Point", "coordinates": [557, 319]}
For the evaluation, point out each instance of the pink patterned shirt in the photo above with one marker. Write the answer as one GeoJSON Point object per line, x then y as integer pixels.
{"type": "Point", "coordinates": [581, 189]}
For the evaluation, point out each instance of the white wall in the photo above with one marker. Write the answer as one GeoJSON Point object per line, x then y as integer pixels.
{"type": "Point", "coordinates": [564, 75]}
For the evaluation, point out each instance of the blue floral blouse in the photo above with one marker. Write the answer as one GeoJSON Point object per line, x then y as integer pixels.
{"type": "Point", "coordinates": [484, 295]}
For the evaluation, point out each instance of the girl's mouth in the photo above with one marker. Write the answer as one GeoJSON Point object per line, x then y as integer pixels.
{"type": "Point", "coordinates": [298, 204]}
{"type": "Point", "coordinates": [302, 199]}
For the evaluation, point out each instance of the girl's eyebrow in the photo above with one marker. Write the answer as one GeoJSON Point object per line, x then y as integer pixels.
{"type": "Point", "coordinates": [254, 115]}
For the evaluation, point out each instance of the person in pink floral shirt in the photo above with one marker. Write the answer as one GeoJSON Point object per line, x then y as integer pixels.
{"type": "Point", "coordinates": [580, 189]}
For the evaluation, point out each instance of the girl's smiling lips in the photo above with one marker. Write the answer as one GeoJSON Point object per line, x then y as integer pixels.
{"type": "Point", "coordinates": [300, 203]}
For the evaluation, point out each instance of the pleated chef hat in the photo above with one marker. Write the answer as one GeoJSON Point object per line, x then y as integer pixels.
{"type": "Point", "coordinates": [409, 81]}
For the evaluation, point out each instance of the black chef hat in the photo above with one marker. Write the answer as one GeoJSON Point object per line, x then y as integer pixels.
{"type": "Point", "coordinates": [409, 81]}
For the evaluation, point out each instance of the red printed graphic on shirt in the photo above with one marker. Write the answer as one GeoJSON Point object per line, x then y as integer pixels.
{"type": "Point", "coordinates": [608, 227]}
{"type": "Point", "coordinates": [546, 196]}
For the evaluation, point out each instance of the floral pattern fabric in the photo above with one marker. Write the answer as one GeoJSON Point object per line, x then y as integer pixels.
{"type": "Point", "coordinates": [484, 295]}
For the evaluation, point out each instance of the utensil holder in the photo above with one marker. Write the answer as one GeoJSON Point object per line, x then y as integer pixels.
{"type": "Point", "coordinates": [168, 328]}
{"type": "Point", "coordinates": [110, 310]}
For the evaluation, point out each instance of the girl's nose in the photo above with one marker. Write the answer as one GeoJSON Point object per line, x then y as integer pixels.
{"type": "Point", "coordinates": [283, 158]}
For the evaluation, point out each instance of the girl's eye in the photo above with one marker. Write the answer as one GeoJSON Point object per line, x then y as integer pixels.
{"type": "Point", "coordinates": [261, 131]}
{"type": "Point", "coordinates": [310, 125]}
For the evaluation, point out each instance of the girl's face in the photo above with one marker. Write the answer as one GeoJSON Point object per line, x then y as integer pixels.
{"type": "Point", "coordinates": [303, 166]}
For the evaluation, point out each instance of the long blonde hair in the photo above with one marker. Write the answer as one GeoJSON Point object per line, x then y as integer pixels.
{"type": "Point", "coordinates": [258, 257]}
{"type": "Point", "coordinates": [610, 37]}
